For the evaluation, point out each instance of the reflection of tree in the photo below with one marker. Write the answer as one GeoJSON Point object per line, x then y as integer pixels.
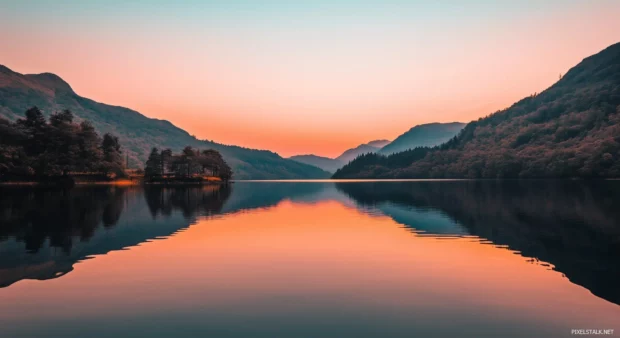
{"type": "Point", "coordinates": [191, 201]}
{"type": "Point", "coordinates": [573, 225]}
{"type": "Point", "coordinates": [36, 215]}
{"type": "Point", "coordinates": [74, 221]}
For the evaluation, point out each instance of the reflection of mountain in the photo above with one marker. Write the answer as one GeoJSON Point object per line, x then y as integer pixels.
{"type": "Point", "coordinates": [44, 232]}
{"type": "Point", "coordinates": [252, 195]}
{"type": "Point", "coordinates": [422, 220]}
{"type": "Point", "coordinates": [573, 225]}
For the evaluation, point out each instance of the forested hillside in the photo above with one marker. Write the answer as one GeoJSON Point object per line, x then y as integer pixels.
{"type": "Point", "coordinates": [572, 129]}
{"type": "Point", "coordinates": [136, 132]}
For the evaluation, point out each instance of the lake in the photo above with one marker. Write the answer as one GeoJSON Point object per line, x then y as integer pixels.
{"type": "Point", "coordinates": [311, 259]}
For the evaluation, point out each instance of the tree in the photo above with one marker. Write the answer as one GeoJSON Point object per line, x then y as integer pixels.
{"type": "Point", "coordinates": [34, 119]}
{"type": "Point", "coordinates": [62, 118]}
{"type": "Point", "coordinates": [112, 158]}
{"type": "Point", "coordinates": [90, 154]}
{"type": "Point", "coordinates": [35, 127]}
{"type": "Point", "coordinates": [191, 162]}
{"type": "Point", "coordinates": [213, 160]}
{"type": "Point", "coordinates": [33, 147]}
{"type": "Point", "coordinates": [166, 161]}
{"type": "Point", "coordinates": [153, 164]}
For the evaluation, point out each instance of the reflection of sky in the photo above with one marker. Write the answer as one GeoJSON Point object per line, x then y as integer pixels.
{"type": "Point", "coordinates": [240, 72]}
{"type": "Point", "coordinates": [303, 270]}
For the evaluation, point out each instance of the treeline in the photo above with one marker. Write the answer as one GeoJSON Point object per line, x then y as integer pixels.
{"type": "Point", "coordinates": [33, 147]}
{"type": "Point", "coordinates": [570, 130]}
{"type": "Point", "coordinates": [377, 165]}
{"type": "Point", "coordinates": [189, 163]}
{"type": "Point", "coordinates": [588, 147]}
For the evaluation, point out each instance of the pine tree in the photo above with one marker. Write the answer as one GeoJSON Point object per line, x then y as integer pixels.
{"type": "Point", "coordinates": [153, 164]}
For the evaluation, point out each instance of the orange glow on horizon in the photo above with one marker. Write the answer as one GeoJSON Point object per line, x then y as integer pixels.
{"type": "Point", "coordinates": [320, 85]}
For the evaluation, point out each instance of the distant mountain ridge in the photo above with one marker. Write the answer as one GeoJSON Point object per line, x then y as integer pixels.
{"type": "Point", "coordinates": [427, 135]}
{"type": "Point", "coordinates": [325, 163]}
{"type": "Point", "coordinates": [423, 135]}
{"type": "Point", "coordinates": [378, 143]}
{"type": "Point", "coordinates": [350, 154]}
{"type": "Point", "coordinates": [571, 129]}
{"type": "Point", "coordinates": [137, 133]}
{"type": "Point", "coordinates": [332, 164]}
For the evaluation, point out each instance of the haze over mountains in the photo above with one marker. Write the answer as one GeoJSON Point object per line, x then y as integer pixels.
{"type": "Point", "coordinates": [333, 164]}
{"type": "Point", "coordinates": [325, 163]}
{"type": "Point", "coordinates": [137, 133]}
{"type": "Point", "coordinates": [572, 129]}
{"type": "Point", "coordinates": [372, 146]}
{"type": "Point", "coordinates": [423, 135]}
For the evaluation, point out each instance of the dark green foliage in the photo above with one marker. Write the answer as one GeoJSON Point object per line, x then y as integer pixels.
{"type": "Point", "coordinates": [377, 165]}
{"type": "Point", "coordinates": [32, 148]}
{"type": "Point", "coordinates": [88, 147]}
{"type": "Point", "coordinates": [571, 129]}
{"type": "Point", "coordinates": [153, 164]}
{"type": "Point", "coordinates": [112, 155]}
{"type": "Point", "coordinates": [189, 163]}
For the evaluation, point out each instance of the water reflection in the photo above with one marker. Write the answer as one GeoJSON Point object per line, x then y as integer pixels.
{"type": "Point", "coordinates": [191, 201]}
{"type": "Point", "coordinates": [43, 232]}
{"type": "Point", "coordinates": [58, 216]}
{"type": "Point", "coordinates": [573, 226]}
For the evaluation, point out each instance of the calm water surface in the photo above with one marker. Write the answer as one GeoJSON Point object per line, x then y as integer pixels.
{"type": "Point", "coordinates": [311, 259]}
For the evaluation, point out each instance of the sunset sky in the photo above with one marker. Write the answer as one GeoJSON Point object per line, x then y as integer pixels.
{"type": "Point", "coordinates": [311, 77]}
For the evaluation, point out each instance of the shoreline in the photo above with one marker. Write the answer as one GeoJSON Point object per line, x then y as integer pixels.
{"type": "Point", "coordinates": [106, 183]}
{"type": "Point", "coordinates": [318, 180]}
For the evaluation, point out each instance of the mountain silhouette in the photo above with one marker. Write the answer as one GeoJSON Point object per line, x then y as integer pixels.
{"type": "Point", "coordinates": [350, 154]}
{"type": "Point", "coordinates": [332, 164]}
{"type": "Point", "coordinates": [572, 129]}
{"type": "Point", "coordinates": [378, 143]}
{"type": "Point", "coordinates": [137, 133]}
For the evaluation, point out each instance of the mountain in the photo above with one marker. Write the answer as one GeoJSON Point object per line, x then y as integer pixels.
{"type": "Point", "coordinates": [378, 143]}
{"type": "Point", "coordinates": [572, 129]}
{"type": "Point", "coordinates": [333, 164]}
{"type": "Point", "coordinates": [137, 133]}
{"type": "Point", "coordinates": [325, 163]}
{"type": "Point", "coordinates": [423, 135]}
{"type": "Point", "coordinates": [350, 154]}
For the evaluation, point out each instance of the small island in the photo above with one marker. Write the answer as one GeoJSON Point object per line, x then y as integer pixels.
{"type": "Point", "coordinates": [190, 166]}
{"type": "Point", "coordinates": [62, 151]}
